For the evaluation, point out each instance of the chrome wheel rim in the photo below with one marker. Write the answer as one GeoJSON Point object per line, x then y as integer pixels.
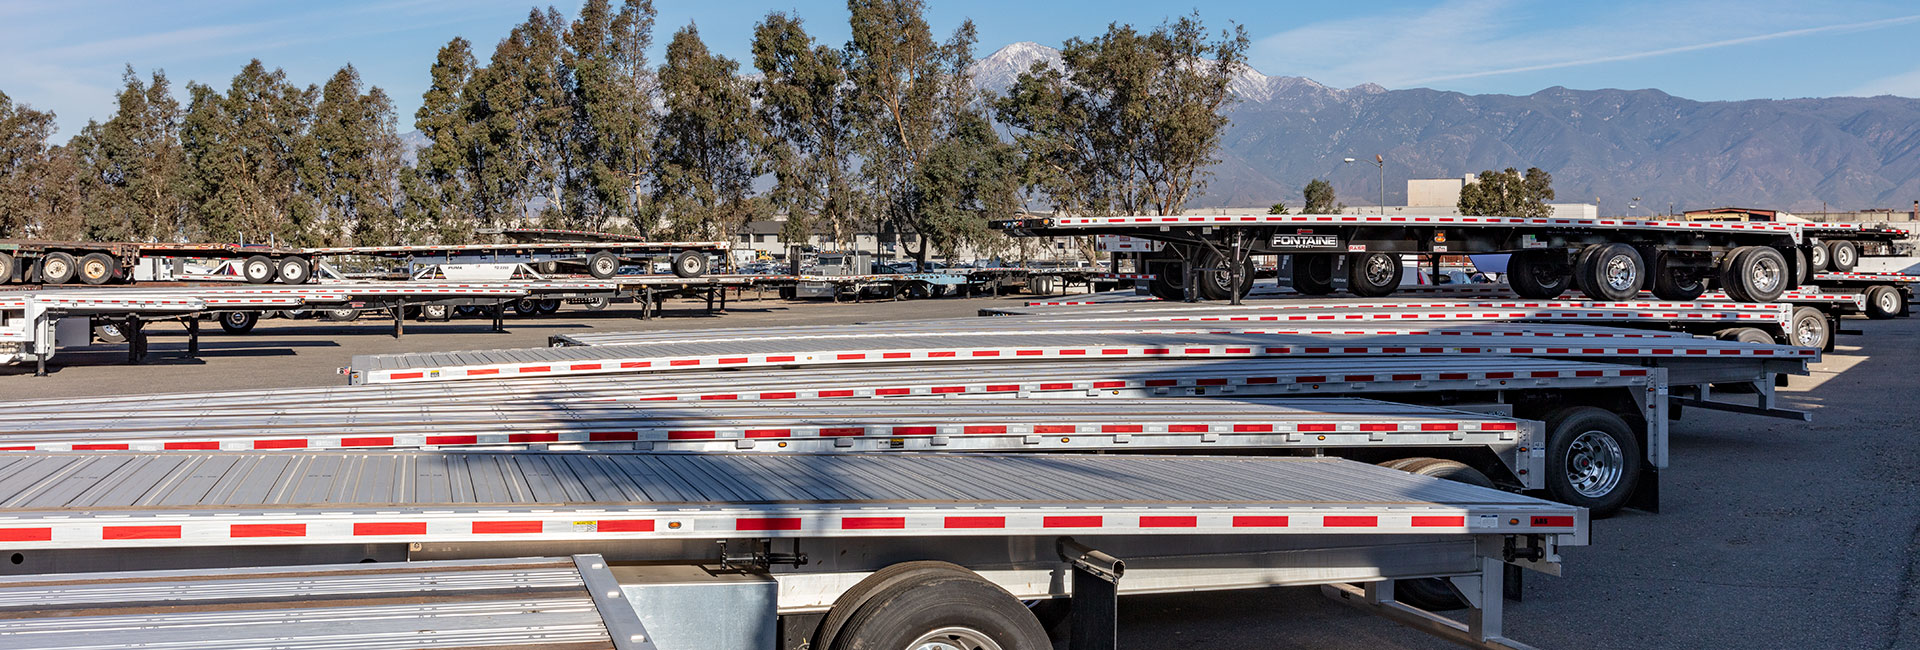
{"type": "Point", "coordinates": [1621, 274]}
{"type": "Point", "coordinates": [1765, 274]}
{"type": "Point", "coordinates": [1594, 464]}
{"type": "Point", "coordinates": [1810, 332]}
{"type": "Point", "coordinates": [1380, 270]}
{"type": "Point", "coordinates": [236, 318]}
{"type": "Point", "coordinates": [953, 638]}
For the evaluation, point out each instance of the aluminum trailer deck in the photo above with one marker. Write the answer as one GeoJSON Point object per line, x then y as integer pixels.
{"type": "Point", "coordinates": [517, 604]}
{"type": "Point", "coordinates": [1606, 258]}
{"type": "Point", "coordinates": [812, 530]}
{"type": "Point", "coordinates": [1885, 295]}
{"type": "Point", "coordinates": [41, 261]}
{"type": "Point", "coordinates": [602, 259]}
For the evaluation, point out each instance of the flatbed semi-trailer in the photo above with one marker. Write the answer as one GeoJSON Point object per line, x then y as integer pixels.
{"type": "Point", "coordinates": [43, 261]}
{"type": "Point", "coordinates": [841, 535]}
{"type": "Point", "coordinates": [1606, 258]}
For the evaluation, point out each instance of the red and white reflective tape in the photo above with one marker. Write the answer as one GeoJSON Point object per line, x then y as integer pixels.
{"type": "Point", "coordinates": [543, 246]}
{"type": "Point", "coordinates": [1870, 277]}
{"type": "Point", "coordinates": [397, 525]}
{"type": "Point", "coordinates": [650, 364]}
{"type": "Point", "coordinates": [1435, 220]}
{"type": "Point", "coordinates": [1776, 314]}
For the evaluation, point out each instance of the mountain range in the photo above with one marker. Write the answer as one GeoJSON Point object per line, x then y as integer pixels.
{"type": "Point", "coordinates": [1609, 146]}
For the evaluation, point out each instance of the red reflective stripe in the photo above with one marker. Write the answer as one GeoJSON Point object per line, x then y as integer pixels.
{"type": "Point", "coordinates": [1113, 351]}
{"type": "Point", "coordinates": [1157, 383]}
{"type": "Point", "coordinates": [536, 369]}
{"type": "Point", "coordinates": [1029, 353]}
{"type": "Point", "coordinates": [1253, 428]}
{"type": "Point", "coordinates": [893, 391]}
{"type": "Point", "coordinates": [453, 440]}
{"type": "Point", "coordinates": [187, 445]}
{"type": "Point", "coordinates": [1315, 427]}
{"type": "Point", "coordinates": [769, 433]}
{"type": "Point", "coordinates": [1097, 384]}
{"type": "Point", "coordinates": [913, 431]}
{"type": "Point", "coordinates": [949, 389]}
{"type": "Point", "coordinates": [26, 534]}
{"type": "Point", "coordinates": [1350, 521]}
{"type": "Point", "coordinates": [584, 366]}
{"type": "Point", "coordinates": [1439, 426]}
{"type": "Point", "coordinates": [984, 429]}
{"type": "Point", "coordinates": [1357, 378]}
{"type": "Point", "coordinates": [406, 375]}
{"type": "Point", "coordinates": [779, 359]}
{"type": "Point", "coordinates": [483, 371]}
{"type": "Point", "coordinates": [873, 523]}
{"type": "Point", "coordinates": [718, 397]}
{"type": "Point", "coordinates": [1425, 521]}
{"type": "Point", "coordinates": [1156, 351]}
{"type": "Point", "coordinates": [624, 525]}
{"type": "Point", "coordinates": [533, 437]}
{"type": "Point", "coordinates": [391, 528]}
{"type": "Point", "coordinates": [100, 447]}
{"type": "Point", "coordinates": [1260, 521]}
{"type": "Point", "coordinates": [1553, 522]}
{"type": "Point", "coordinates": [267, 530]}
{"type": "Point", "coordinates": [976, 522]}
{"type": "Point", "coordinates": [635, 364]}
{"type": "Point", "coordinates": [613, 436]}
{"type": "Point", "coordinates": [1210, 382]}
{"type": "Point", "coordinates": [1073, 352]}
{"type": "Point", "coordinates": [689, 435]}
{"type": "Point", "coordinates": [276, 444]}
{"type": "Point", "coordinates": [1001, 388]}
{"type": "Point", "coordinates": [684, 362]}
{"type": "Point", "coordinates": [1053, 428]}
{"type": "Point", "coordinates": [836, 393]}
{"type": "Point", "coordinates": [986, 353]}
{"type": "Point", "coordinates": [1121, 428]}
{"type": "Point", "coordinates": [386, 441]}
{"type": "Point", "coordinates": [767, 523]}
{"type": "Point", "coordinates": [1071, 521]}
{"type": "Point", "coordinates": [1499, 426]}
{"type": "Point", "coordinates": [842, 431]}
{"type": "Point", "coordinates": [140, 532]}
{"type": "Point", "coordinates": [1310, 379]}
{"type": "Point", "coordinates": [778, 395]}
{"type": "Point", "coordinates": [732, 360]}
{"type": "Point", "coordinates": [846, 357]}
{"type": "Point", "coordinates": [939, 354]}
{"type": "Point", "coordinates": [505, 527]}
{"type": "Point", "coordinates": [1499, 375]}
{"type": "Point", "coordinates": [897, 355]}
{"type": "Point", "coordinates": [1150, 521]}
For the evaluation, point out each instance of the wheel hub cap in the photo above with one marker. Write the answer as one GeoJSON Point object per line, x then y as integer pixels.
{"type": "Point", "coordinates": [953, 638]}
{"type": "Point", "coordinates": [1621, 275]}
{"type": "Point", "coordinates": [1594, 464]}
{"type": "Point", "coordinates": [1766, 275]}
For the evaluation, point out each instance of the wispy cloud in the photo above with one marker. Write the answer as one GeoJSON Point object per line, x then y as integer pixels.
{"type": "Point", "coordinates": [1905, 84]}
{"type": "Point", "coordinates": [1476, 39]}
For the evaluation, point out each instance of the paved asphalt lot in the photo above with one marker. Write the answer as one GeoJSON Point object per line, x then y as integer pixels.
{"type": "Point", "coordinates": [1773, 534]}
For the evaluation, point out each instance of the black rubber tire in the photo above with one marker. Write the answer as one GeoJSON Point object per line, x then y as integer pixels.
{"type": "Point", "coordinates": [1884, 302]}
{"type": "Point", "coordinates": [293, 270]}
{"type": "Point", "coordinates": [436, 313]}
{"type": "Point", "coordinates": [1374, 275]}
{"type": "Point", "coordinates": [526, 307]}
{"type": "Point", "coordinates": [1802, 270]}
{"type": "Point", "coordinates": [854, 597]}
{"type": "Point", "coordinates": [1746, 280]}
{"type": "Point", "coordinates": [922, 601]}
{"type": "Point", "coordinates": [1434, 594]}
{"type": "Point", "coordinates": [1670, 281]}
{"type": "Point", "coordinates": [1313, 274]}
{"type": "Point", "coordinates": [1816, 257]}
{"type": "Point", "coordinates": [603, 265]}
{"type": "Point", "coordinates": [238, 322]}
{"type": "Point", "coordinates": [1745, 335]}
{"type": "Point", "coordinates": [549, 306]}
{"type": "Point", "coordinates": [1843, 255]}
{"type": "Point", "coordinates": [1217, 284]}
{"type": "Point", "coordinates": [109, 333]}
{"type": "Point", "coordinates": [1567, 426]}
{"type": "Point", "coordinates": [467, 310]}
{"type": "Point", "coordinates": [98, 268]}
{"type": "Point", "coordinates": [340, 315]}
{"type": "Point", "coordinates": [257, 269]}
{"type": "Point", "coordinates": [1610, 272]}
{"type": "Point", "coordinates": [598, 304]}
{"type": "Point", "coordinates": [1810, 329]}
{"type": "Point", "coordinates": [1535, 274]}
{"type": "Point", "coordinates": [690, 264]}
{"type": "Point", "coordinates": [1580, 261]}
{"type": "Point", "coordinates": [7, 269]}
{"type": "Point", "coordinates": [58, 268]}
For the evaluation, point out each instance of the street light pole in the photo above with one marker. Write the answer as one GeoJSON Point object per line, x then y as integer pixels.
{"type": "Point", "coordinates": [1379, 161]}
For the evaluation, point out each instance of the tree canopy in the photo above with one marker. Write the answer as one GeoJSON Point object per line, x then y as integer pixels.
{"type": "Point", "coordinates": [1508, 193]}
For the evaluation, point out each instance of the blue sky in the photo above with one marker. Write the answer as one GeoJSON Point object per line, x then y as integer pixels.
{"type": "Point", "coordinates": [66, 56]}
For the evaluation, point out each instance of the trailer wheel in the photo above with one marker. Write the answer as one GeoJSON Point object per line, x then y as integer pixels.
{"type": "Point", "coordinates": [549, 306]}
{"type": "Point", "coordinates": [1216, 283]}
{"type": "Point", "coordinates": [1844, 255]}
{"type": "Point", "coordinates": [98, 268]}
{"type": "Point", "coordinates": [1745, 335]}
{"type": "Point", "coordinates": [1434, 594]}
{"type": "Point", "coordinates": [1040, 285]}
{"type": "Point", "coordinates": [603, 265]}
{"type": "Point", "coordinates": [1372, 275]}
{"type": "Point", "coordinates": [57, 268]}
{"type": "Point", "coordinates": [467, 310]}
{"type": "Point", "coordinates": [294, 270]}
{"type": "Point", "coordinates": [340, 314]}
{"type": "Point", "coordinates": [1816, 257]}
{"type": "Point", "coordinates": [690, 264]}
{"type": "Point", "coordinates": [526, 307]}
{"type": "Point", "coordinates": [1536, 274]}
{"type": "Point", "coordinates": [1313, 274]}
{"type": "Point", "coordinates": [1884, 302]}
{"type": "Point", "coordinates": [7, 268]}
{"type": "Point", "coordinates": [1593, 459]}
{"type": "Point", "coordinates": [440, 313]}
{"type": "Point", "coordinates": [109, 333]}
{"type": "Point", "coordinates": [257, 270]}
{"type": "Point", "coordinates": [238, 322]}
{"type": "Point", "coordinates": [597, 304]}
{"type": "Point", "coordinates": [1672, 282]}
{"type": "Point", "coordinates": [1610, 272]}
{"type": "Point", "coordinates": [857, 596]}
{"type": "Point", "coordinates": [1810, 328]}
{"type": "Point", "coordinates": [1755, 274]}
{"type": "Point", "coordinates": [937, 608]}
